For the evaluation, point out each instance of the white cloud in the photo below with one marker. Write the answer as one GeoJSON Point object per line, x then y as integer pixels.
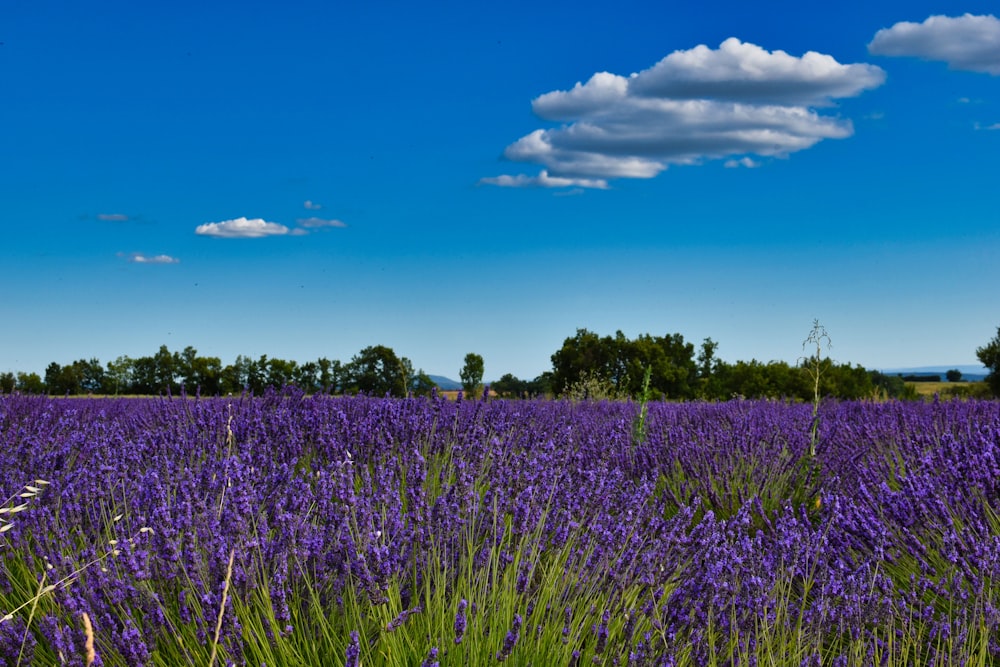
{"type": "Point", "coordinates": [994, 126]}
{"type": "Point", "coordinates": [747, 162]}
{"type": "Point", "coordinates": [311, 205]}
{"type": "Point", "coordinates": [313, 223]}
{"type": "Point", "coordinates": [241, 228]}
{"type": "Point", "coordinates": [692, 106]}
{"type": "Point", "coordinates": [742, 72]}
{"type": "Point", "coordinates": [965, 42]}
{"type": "Point", "coordinates": [543, 180]}
{"type": "Point", "coordinates": [112, 217]}
{"type": "Point", "coordinates": [139, 258]}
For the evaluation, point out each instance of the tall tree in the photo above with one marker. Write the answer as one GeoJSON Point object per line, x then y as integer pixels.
{"type": "Point", "coordinates": [30, 383]}
{"type": "Point", "coordinates": [63, 379]}
{"type": "Point", "coordinates": [205, 376]}
{"type": "Point", "coordinates": [165, 372]}
{"type": "Point", "coordinates": [586, 353]}
{"type": "Point", "coordinates": [118, 376]}
{"type": "Point", "coordinates": [377, 371]}
{"type": "Point", "coordinates": [989, 354]}
{"type": "Point", "coordinates": [471, 374]}
{"type": "Point", "coordinates": [422, 384]}
{"type": "Point", "coordinates": [509, 386]}
{"type": "Point", "coordinates": [91, 374]}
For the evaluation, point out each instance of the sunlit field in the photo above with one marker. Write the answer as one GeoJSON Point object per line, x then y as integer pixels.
{"type": "Point", "coordinates": [295, 530]}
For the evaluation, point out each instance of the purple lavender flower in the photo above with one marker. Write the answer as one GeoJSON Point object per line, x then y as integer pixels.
{"type": "Point", "coordinates": [602, 632]}
{"type": "Point", "coordinates": [395, 623]}
{"type": "Point", "coordinates": [510, 640]}
{"type": "Point", "coordinates": [460, 621]}
{"type": "Point", "coordinates": [431, 660]}
{"type": "Point", "coordinates": [352, 656]}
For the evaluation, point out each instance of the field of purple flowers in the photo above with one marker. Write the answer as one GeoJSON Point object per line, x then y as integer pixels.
{"type": "Point", "coordinates": [294, 530]}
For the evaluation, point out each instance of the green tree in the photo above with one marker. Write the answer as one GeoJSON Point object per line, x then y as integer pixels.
{"type": "Point", "coordinates": [144, 376]}
{"type": "Point", "coordinates": [422, 384]}
{"type": "Point", "coordinates": [376, 371]}
{"type": "Point", "coordinates": [508, 386]}
{"type": "Point", "coordinates": [541, 385]}
{"type": "Point", "coordinates": [61, 380]}
{"type": "Point", "coordinates": [585, 353]}
{"type": "Point", "coordinates": [257, 375]}
{"type": "Point", "coordinates": [989, 355]}
{"type": "Point", "coordinates": [30, 383]}
{"type": "Point", "coordinates": [205, 376]}
{"type": "Point", "coordinates": [8, 381]}
{"type": "Point", "coordinates": [185, 368]}
{"type": "Point", "coordinates": [471, 374]}
{"type": "Point", "coordinates": [332, 377]}
{"type": "Point", "coordinates": [306, 377]}
{"type": "Point", "coordinates": [165, 371]}
{"type": "Point", "coordinates": [280, 372]}
{"type": "Point", "coordinates": [118, 375]}
{"type": "Point", "coordinates": [91, 374]}
{"type": "Point", "coordinates": [954, 375]}
{"type": "Point", "coordinates": [618, 365]}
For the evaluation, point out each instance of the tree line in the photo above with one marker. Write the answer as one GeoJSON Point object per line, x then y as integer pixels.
{"type": "Point", "coordinates": [374, 370]}
{"type": "Point", "coordinates": [586, 366]}
{"type": "Point", "coordinates": [667, 367]}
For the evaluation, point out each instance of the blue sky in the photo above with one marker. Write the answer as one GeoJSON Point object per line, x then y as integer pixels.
{"type": "Point", "coordinates": [442, 178]}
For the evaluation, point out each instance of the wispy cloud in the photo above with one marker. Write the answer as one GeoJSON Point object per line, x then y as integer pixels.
{"type": "Point", "coordinates": [314, 223]}
{"type": "Point", "coordinates": [241, 228]}
{"type": "Point", "coordinates": [139, 258]}
{"type": "Point", "coordinates": [747, 162]}
{"type": "Point", "coordinates": [112, 217]}
{"type": "Point", "coordinates": [692, 106]}
{"type": "Point", "coordinates": [994, 126]}
{"type": "Point", "coordinates": [543, 180]}
{"type": "Point", "coordinates": [965, 42]}
{"type": "Point", "coordinates": [311, 205]}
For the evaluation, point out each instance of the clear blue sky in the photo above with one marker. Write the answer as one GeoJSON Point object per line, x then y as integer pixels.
{"type": "Point", "coordinates": [307, 179]}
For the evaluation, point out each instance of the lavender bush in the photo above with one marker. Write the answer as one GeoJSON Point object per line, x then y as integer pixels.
{"type": "Point", "coordinates": [371, 531]}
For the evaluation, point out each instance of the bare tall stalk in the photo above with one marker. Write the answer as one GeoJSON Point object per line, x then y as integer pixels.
{"type": "Point", "coordinates": [222, 609]}
{"type": "Point", "coordinates": [815, 365]}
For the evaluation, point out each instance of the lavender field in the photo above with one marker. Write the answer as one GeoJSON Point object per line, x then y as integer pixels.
{"type": "Point", "coordinates": [294, 530]}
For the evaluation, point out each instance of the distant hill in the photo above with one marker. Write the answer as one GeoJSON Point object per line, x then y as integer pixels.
{"type": "Point", "coordinates": [444, 383]}
{"type": "Point", "coordinates": [970, 372]}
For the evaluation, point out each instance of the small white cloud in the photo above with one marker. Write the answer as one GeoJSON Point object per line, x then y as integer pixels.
{"type": "Point", "coordinates": [747, 162]}
{"type": "Point", "coordinates": [313, 223]}
{"type": "Point", "coordinates": [112, 217]}
{"type": "Point", "coordinates": [139, 258]}
{"type": "Point", "coordinates": [994, 126]}
{"type": "Point", "coordinates": [543, 180]}
{"type": "Point", "coordinates": [311, 205]}
{"type": "Point", "coordinates": [967, 42]}
{"type": "Point", "coordinates": [964, 100]}
{"type": "Point", "coordinates": [241, 228]}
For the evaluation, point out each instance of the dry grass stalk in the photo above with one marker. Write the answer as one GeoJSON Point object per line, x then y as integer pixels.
{"type": "Point", "coordinates": [88, 630]}
{"type": "Point", "coordinates": [42, 589]}
{"type": "Point", "coordinates": [222, 608]}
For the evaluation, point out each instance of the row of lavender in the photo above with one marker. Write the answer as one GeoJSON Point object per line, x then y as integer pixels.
{"type": "Point", "coordinates": [379, 531]}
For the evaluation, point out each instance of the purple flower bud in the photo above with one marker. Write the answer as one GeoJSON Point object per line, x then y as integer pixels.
{"type": "Point", "coordinates": [353, 655]}
{"type": "Point", "coordinates": [510, 640]}
{"type": "Point", "coordinates": [460, 621]}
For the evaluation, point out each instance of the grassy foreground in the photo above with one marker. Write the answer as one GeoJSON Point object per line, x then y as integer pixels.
{"type": "Point", "coordinates": [288, 530]}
